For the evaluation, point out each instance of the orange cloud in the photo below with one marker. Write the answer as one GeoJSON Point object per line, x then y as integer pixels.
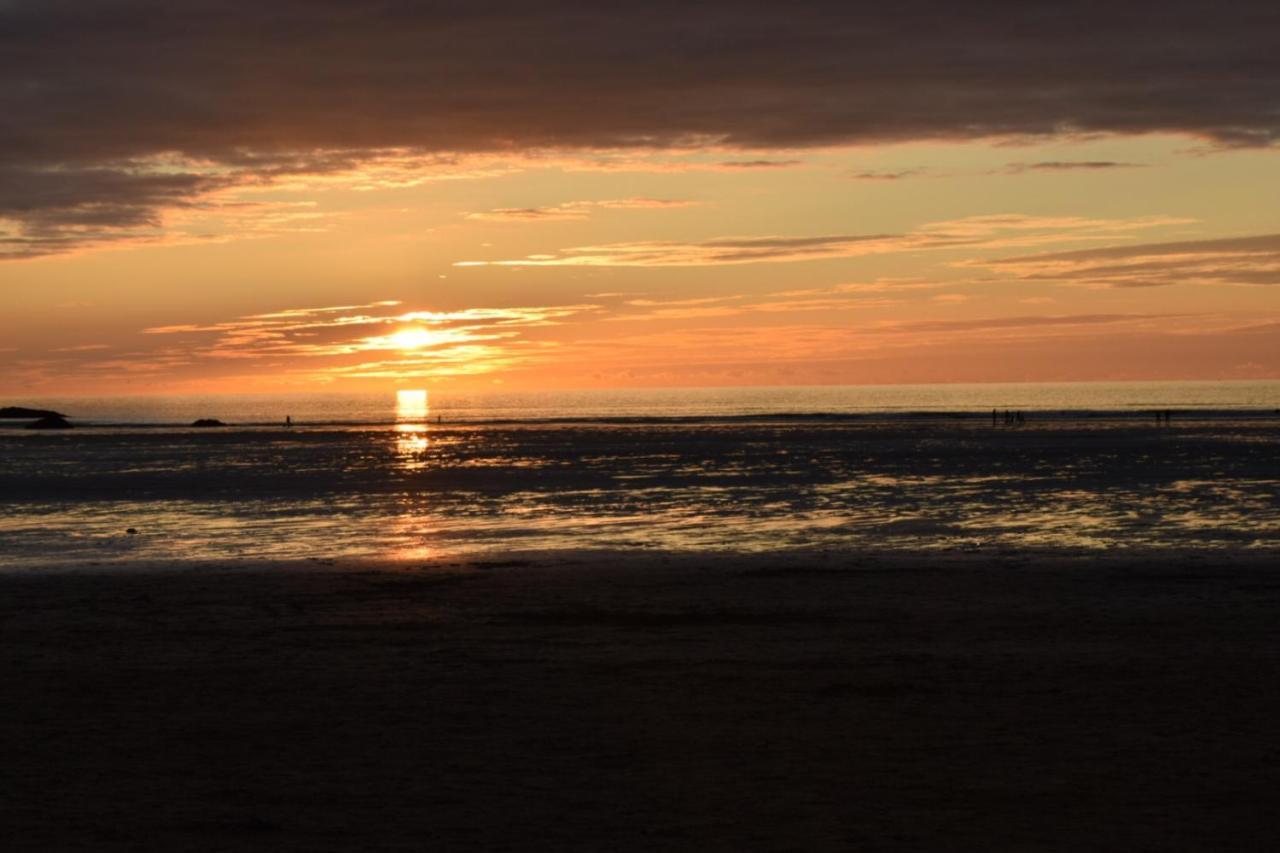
{"type": "Point", "coordinates": [978, 232]}
{"type": "Point", "coordinates": [1237, 261]}
{"type": "Point", "coordinates": [572, 210]}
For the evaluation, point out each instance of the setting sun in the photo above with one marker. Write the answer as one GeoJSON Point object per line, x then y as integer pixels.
{"type": "Point", "coordinates": [413, 338]}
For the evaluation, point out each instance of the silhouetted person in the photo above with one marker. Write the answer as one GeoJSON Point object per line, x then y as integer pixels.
{"type": "Point", "coordinates": [993, 417]}
{"type": "Point", "coordinates": [288, 421]}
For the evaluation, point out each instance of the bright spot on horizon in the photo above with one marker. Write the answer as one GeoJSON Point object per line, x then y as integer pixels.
{"type": "Point", "coordinates": [411, 405]}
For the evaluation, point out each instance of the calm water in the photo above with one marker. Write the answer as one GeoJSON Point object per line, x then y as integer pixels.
{"type": "Point", "coordinates": [368, 409]}
{"type": "Point", "coordinates": [753, 469]}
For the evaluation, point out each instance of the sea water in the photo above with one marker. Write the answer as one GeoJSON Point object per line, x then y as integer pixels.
{"type": "Point", "coordinates": [907, 467]}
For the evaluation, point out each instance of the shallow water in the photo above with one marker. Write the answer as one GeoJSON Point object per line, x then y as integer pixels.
{"type": "Point", "coordinates": [417, 490]}
{"type": "Point", "coordinates": [1047, 400]}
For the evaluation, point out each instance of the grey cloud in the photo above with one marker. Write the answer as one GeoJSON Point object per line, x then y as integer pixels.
{"type": "Point", "coordinates": [288, 86]}
{"type": "Point", "coordinates": [64, 207]}
{"type": "Point", "coordinates": [760, 164]}
{"type": "Point", "coordinates": [1069, 166]}
{"type": "Point", "coordinates": [887, 176]}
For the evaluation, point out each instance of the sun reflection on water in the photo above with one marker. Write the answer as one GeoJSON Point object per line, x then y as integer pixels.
{"type": "Point", "coordinates": [412, 444]}
{"type": "Point", "coordinates": [411, 428]}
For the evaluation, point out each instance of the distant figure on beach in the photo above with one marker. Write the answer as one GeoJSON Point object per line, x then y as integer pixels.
{"type": "Point", "coordinates": [288, 421]}
{"type": "Point", "coordinates": [1021, 419]}
{"type": "Point", "coordinates": [993, 417]}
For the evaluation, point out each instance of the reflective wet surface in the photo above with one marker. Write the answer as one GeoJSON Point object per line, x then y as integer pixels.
{"type": "Point", "coordinates": [420, 489]}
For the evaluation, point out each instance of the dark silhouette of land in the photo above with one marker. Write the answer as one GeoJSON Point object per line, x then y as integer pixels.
{"type": "Point", "coordinates": [20, 413]}
{"type": "Point", "coordinates": [50, 422]}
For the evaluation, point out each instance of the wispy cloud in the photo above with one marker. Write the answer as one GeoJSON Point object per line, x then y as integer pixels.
{"type": "Point", "coordinates": [760, 164]}
{"type": "Point", "coordinates": [989, 324]}
{"type": "Point", "coordinates": [883, 285]}
{"type": "Point", "coordinates": [170, 200]}
{"type": "Point", "coordinates": [889, 176]}
{"type": "Point", "coordinates": [576, 209]}
{"type": "Point", "coordinates": [979, 232]}
{"type": "Point", "coordinates": [374, 339]}
{"type": "Point", "coordinates": [1239, 261]}
{"type": "Point", "coordinates": [1069, 166]}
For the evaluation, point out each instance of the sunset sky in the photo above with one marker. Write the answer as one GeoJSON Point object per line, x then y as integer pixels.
{"type": "Point", "coordinates": [219, 196]}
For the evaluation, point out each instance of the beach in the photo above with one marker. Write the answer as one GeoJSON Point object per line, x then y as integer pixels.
{"type": "Point", "coordinates": [840, 700]}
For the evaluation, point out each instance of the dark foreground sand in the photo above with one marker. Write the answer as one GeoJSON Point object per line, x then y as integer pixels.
{"type": "Point", "coordinates": [601, 703]}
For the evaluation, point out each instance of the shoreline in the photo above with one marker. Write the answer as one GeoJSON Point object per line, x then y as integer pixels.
{"type": "Point", "coordinates": [604, 562]}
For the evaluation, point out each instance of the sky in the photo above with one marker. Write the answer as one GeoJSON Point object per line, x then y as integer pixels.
{"type": "Point", "coordinates": [215, 196]}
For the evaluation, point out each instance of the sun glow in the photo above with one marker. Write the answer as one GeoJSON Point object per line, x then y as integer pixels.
{"type": "Point", "coordinates": [414, 339]}
{"type": "Point", "coordinates": [411, 406]}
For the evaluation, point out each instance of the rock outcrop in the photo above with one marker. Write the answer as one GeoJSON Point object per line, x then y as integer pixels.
{"type": "Point", "coordinates": [52, 421]}
{"type": "Point", "coordinates": [20, 413]}
{"type": "Point", "coordinates": [208, 422]}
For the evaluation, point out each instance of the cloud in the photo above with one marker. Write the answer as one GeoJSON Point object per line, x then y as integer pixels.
{"type": "Point", "coordinates": [56, 209]}
{"type": "Point", "coordinates": [995, 231]}
{"type": "Point", "coordinates": [382, 339]}
{"type": "Point", "coordinates": [572, 210]}
{"type": "Point", "coordinates": [1069, 166]}
{"type": "Point", "coordinates": [884, 285]}
{"type": "Point", "coordinates": [52, 209]}
{"type": "Point", "coordinates": [374, 340]}
{"type": "Point", "coordinates": [1050, 166]}
{"type": "Point", "coordinates": [824, 300]}
{"type": "Point", "coordinates": [531, 214]}
{"type": "Point", "coordinates": [114, 112]}
{"type": "Point", "coordinates": [1238, 261]}
{"type": "Point", "coordinates": [888, 176]}
{"type": "Point", "coordinates": [654, 303]}
{"type": "Point", "coordinates": [1024, 322]}
{"type": "Point", "coordinates": [760, 164]}
{"type": "Point", "coordinates": [84, 348]}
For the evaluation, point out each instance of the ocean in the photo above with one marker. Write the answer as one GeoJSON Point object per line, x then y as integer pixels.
{"type": "Point", "coordinates": [759, 469]}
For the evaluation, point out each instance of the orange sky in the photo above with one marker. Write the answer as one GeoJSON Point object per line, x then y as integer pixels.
{"type": "Point", "coordinates": [985, 256]}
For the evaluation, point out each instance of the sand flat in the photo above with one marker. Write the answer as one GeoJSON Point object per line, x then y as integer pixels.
{"type": "Point", "coordinates": [593, 701]}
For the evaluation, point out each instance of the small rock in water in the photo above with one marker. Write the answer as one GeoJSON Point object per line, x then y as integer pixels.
{"type": "Point", "coordinates": [50, 422]}
{"type": "Point", "coordinates": [132, 531]}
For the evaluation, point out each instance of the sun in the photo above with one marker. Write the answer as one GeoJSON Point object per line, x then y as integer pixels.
{"type": "Point", "coordinates": [413, 338]}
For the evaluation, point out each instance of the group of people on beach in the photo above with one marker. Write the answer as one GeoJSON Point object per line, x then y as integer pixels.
{"type": "Point", "coordinates": [1165, 417]}
{"type": "Point", "coordinates": [1010, 418]}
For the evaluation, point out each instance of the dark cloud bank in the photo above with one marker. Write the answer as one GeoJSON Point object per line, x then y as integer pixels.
{"type": "Point", "coordinates": [90, 88]}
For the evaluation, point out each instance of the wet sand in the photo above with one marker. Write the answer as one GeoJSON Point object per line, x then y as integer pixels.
{"type": "Point", "coordinates": [597, 702]}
